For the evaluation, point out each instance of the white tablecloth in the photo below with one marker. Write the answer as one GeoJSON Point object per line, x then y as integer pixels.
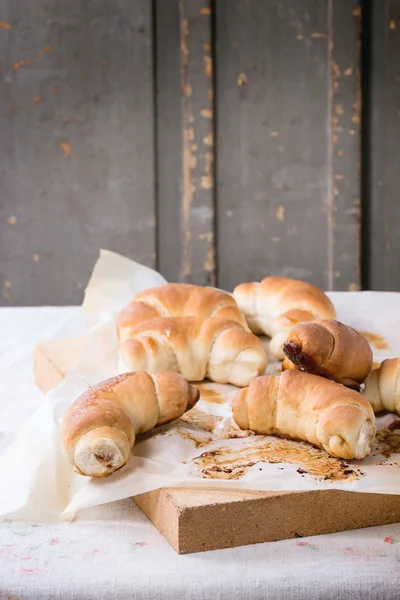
{"type": "Point", "coordinates": [113, 551]}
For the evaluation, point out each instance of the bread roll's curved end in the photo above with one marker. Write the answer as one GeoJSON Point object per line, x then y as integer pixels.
{"type": "Point", "coordinates": [237, 356]}
{"type": "Point", "coordinates": [276, 345]}
{"type": "Point", "coordinates": [239, 409]}
{"type": "Point", "coordinates": [101, 451]}
{"type": "Point", "coordinates": [347, 430]}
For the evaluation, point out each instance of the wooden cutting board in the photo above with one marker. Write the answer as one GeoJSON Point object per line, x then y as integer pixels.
{"type": "Point", "coordinates": [193, 520]}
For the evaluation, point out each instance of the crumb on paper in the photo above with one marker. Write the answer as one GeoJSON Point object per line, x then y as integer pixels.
{"type": "Point", "coordinates": [66, 148]}
{"type": "Point", "coordinates": [242, 79]}
{"type": "Point", "coordinates": [12, 220]}
{"type": "Point", "coordinates": [280, 212]}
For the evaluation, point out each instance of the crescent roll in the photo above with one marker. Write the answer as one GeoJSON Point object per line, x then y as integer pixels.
{"type": "Point", "coordinates": [99, 429]}
{"type": "Point", "coordinates": [329, 349]}
{"type": "Point", "coordinates": [310, 408]}
{"type": "Point", "coordinates": [195, 347]}
{"type": "Point", "coordinates": [178, 300]}
{"type": "Point", "coordinates": [382, 386]}
{"type": "Point", "coordinates": [275, 304]}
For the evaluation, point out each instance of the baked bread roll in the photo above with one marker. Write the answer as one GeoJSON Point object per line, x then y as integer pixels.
{"type": "Point", "coordinates": [99, 429]}
{"type": "Point", "coordinates": [178, 300]}
{"type": "Point", "coordinates": [382, 386]}
{"type": "Point", "coordinates": [329, 349]}
{"type": "Point", "coordinates": [277, 303]}
{"type": "Point", "coordinates": [306, 407]}
{"type": "Point", "coordinates": [195, 347]}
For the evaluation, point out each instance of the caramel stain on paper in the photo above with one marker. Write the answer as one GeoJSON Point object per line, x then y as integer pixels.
{"type": "Point", "coordinates": [201, 419]}
{"type": "Point", "coordinates": [210, 395]}
{"type": "Point", "coordinates": [387, 441]}
{"type": "Point", "coordinates": [233, 463]}
{"type": "Point", "coordinates": [376, 340]}
{"type": "Point", "coordinates": [197, 440]}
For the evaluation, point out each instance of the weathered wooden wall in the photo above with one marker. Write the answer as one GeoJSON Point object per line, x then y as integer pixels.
{"type": "Point", "coordinates": [217, 140]}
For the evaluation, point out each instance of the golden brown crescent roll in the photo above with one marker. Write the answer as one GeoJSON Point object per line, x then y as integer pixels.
{"type": "Point", "coordinates": [382, 386]}
{"type": "Point", "coordinates": [329, 349]}
{"type": "Point", "coordinates": [310, 408]}
{"type": "Point", "coordinates": [195, 347]}
{"type": "Point", "coordinates": [178, 300]}
{"type": "Point", "coordinates": [99, 429]}
{"type": "Point", "coordinates": [276, 303]}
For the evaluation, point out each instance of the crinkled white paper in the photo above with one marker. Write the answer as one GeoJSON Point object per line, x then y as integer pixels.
{"type": "Point", "coordinates": [197, 450]}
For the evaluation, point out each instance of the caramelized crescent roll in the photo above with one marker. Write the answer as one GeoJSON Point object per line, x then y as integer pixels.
{"type": "Point", "coordinates": [275, 304]}
{"type": "Point", "coordinates": [329, 349]}
{"type": "Point", "coordinates": [99, 429]}
{"type": "Point", "coordinates": [382, 386]}
{"type": "Point", "coordinates": [310, 408]}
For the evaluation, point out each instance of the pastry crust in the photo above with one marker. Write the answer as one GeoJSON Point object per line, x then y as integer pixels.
{"type": "Point", "coordinates": [310, 408]}
{"type": "Point", "coordinates": [275, 304]}
{"type": "Point", "coordinates": [100, 427]}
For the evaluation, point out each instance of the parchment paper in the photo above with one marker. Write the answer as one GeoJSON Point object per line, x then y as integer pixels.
{"type": "Point", "coordinates": [204, 447]}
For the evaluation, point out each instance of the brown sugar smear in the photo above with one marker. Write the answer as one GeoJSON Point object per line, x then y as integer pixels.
{"type": "Point", "coordinates": [376, 341]}
{"type": "Point", "coordinates": [234, 462]}
{"type": "Point", "coordinates": [210, 395]}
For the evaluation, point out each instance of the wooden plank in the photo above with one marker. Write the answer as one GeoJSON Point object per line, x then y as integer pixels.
{"type": "Point", "coordinates": [76, 159]}
{"type": "Point", "coordinates": [345, 105]}
{"type": "Point", "coordinates": [274, 154]}
{"type": "Point", "coordinates": [186, 228]}
{"type": "Point", "coordinates": [382, 120]}
{"type": "Point", "coordinates": [241, 517]}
